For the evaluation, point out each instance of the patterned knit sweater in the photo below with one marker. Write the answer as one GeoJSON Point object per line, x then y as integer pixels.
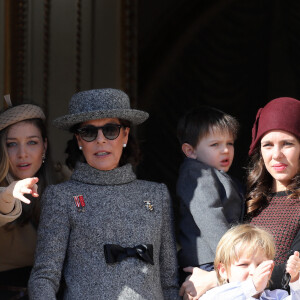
{"type": "Point", "coordinates": [280, 216]}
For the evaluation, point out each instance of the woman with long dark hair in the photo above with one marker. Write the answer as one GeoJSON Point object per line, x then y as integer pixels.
{"type": "Point", "coordinates": [24, 174]}
{"type": "Point", "coordinates": [273, 201]}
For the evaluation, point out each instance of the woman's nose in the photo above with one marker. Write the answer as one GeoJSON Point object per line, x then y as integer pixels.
{"type": "Point", "coordinates": [100, 137]}
{"type": "Point", "coordinates": [277, 153]}
{"type": "Point", "coordinates": [22, 152]}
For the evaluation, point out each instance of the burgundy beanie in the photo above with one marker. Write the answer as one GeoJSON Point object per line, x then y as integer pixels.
{"type": "Point", "coordinates": [279, 114]}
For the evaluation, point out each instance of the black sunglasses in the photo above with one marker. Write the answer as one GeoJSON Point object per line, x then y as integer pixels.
{"type": "Point", "coordinates": [89, 133]}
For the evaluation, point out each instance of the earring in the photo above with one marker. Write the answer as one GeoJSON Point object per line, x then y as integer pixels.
{"type": "Point", "coordinates": [43, 157]}
{"type": "Point", "coordinates": [80, 147]}
{"type": "Point", "coordinates": [124, 145]}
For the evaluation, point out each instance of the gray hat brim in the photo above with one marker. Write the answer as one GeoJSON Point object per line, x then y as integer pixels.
{"type": "Point", "coordinates": [134, 116]}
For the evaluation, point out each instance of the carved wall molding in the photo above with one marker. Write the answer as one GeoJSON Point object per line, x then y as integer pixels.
{"type": "Point", "coordinates": [16, 14]}
{"type": "Point", "coordinates": [129, 27]}
{"type": "Point", "coordinates": [46, 55]}
{"type": "Point", "coordinates": [78, 44]}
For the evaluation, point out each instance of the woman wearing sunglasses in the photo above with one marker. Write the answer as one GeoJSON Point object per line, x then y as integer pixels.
{"type": "Point", "coordinates": [109, 234]}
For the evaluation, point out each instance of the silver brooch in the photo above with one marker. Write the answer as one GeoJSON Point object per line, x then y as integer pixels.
{"type": "Point", "coordinates": [149, 205]}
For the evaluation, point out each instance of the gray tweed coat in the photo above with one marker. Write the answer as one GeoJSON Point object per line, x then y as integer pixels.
{"type": "Point", "coordinates": [210, 201]}
{"type": "Point", "coordinates": [72, 241]}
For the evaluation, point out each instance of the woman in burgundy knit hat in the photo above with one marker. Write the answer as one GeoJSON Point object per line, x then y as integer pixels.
{"type": "Point", "coordinates": [273, 182]}
{"type": "Point", "coordinates": [273, 179]}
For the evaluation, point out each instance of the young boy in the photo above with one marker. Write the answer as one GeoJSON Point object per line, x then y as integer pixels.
{"type": "Point", "coordinates": [209, 199]}
{"type": "Point", "coordinates": [244, 262]}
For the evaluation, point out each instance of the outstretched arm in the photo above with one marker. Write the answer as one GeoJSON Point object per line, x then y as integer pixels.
{"type": "Point", "coordinates": [10, 197]}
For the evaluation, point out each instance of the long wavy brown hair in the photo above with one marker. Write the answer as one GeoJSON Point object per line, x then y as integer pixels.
{"type": "Point", "coordinates": [260, 182]}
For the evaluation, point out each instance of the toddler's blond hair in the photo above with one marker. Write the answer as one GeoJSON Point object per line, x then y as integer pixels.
{"type": "Point", "coordinates": [246, 239]}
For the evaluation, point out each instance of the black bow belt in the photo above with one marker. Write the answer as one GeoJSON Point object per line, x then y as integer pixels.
{"type": "Point", "coordinates": [115, 253]}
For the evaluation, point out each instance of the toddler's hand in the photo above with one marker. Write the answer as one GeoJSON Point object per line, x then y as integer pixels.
{"type": "Point", "coordinates": [262, 275]}
{"type": "Point", "coordinates": [293, 266]}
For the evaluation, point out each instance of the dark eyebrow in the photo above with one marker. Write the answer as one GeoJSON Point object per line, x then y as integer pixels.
{"type": "Point", "coordinates": [28, 137]}
{"type": "Point", "coordinates": [91, 125]}
{"type": "Point", "coordinates": [283, 140]}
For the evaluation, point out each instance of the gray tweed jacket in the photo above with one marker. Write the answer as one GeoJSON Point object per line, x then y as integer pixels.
{"type": "Point", "coordinates": [210, 201]}
{"type": "Point", "coordinates": [71, 240]}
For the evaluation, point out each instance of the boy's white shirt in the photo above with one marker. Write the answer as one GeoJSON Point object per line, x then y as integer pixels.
{"type": "Point", "coordinates": [246, 290]}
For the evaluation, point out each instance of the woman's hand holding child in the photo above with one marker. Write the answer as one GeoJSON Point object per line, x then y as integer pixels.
{"type": "Point", "coordinates": [198, 283]}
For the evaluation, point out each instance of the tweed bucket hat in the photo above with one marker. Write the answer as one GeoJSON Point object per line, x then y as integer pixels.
{"type": "Point", "coordinates": [20, 113]}
{"type": "Point", "coordinates": [99, 104]}
{"type": "Point", "coordinates": [279, 114]}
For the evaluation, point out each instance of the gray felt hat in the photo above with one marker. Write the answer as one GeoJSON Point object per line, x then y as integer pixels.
{"type": "Point", "coordinates": [99, 104]}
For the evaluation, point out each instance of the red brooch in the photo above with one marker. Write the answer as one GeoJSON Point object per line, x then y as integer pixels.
{"type": "Point", "coordinates": [79, 202]}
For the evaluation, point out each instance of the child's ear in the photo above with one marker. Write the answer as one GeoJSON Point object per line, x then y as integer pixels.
{"type": "Point", "coordinates": [188, 150]}
{"type": "Point", "coordinates": [223, 272]}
